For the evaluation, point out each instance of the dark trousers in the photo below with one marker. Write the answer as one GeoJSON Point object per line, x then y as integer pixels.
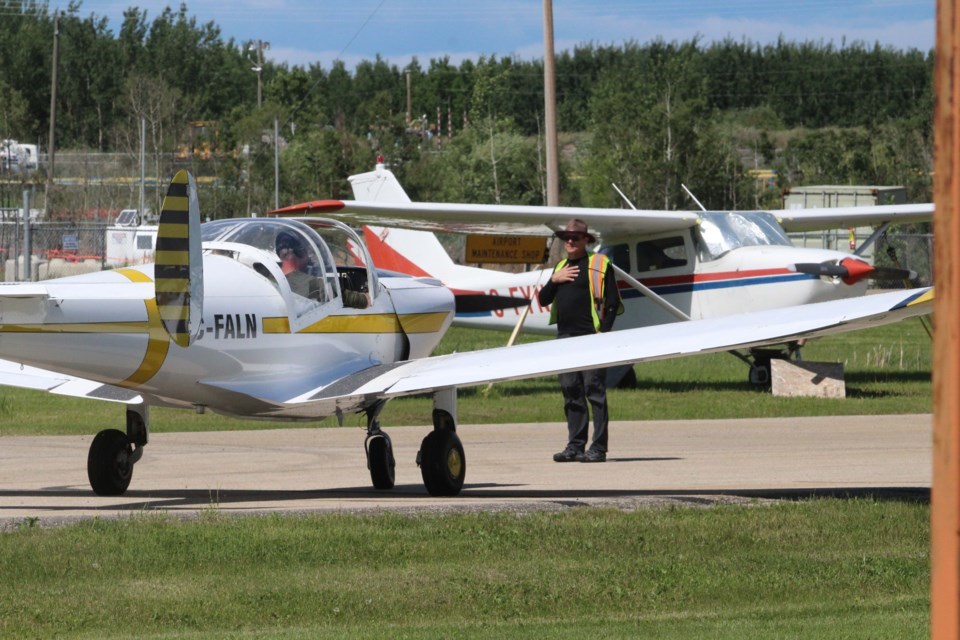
{"type": "Point", "coordinates": [580, 387]}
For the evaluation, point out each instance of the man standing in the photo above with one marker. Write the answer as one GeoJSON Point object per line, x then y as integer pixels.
{"type": "Point", "coordinates": [584, 298]}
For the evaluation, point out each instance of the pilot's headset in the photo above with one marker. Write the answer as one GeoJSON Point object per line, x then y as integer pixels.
{"type": "Point", "coordinates": [289, 243]}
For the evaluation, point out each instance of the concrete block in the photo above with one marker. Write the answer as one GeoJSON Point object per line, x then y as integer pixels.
{"type": "Point", "coordinates": [812, 379]}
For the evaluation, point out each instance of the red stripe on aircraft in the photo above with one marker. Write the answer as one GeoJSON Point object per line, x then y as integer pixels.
{"type": "Point", "coordinates": [317, 206]}
{"type": "Point", "coordinates": [386, 257]}
{"type": "Point", "coordinates": [708, 277]}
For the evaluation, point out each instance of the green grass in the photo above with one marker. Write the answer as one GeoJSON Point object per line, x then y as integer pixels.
{"type": "Point", "coordinates": [887, 371]}
{"type": "Point", "coordinates": [817, 569]}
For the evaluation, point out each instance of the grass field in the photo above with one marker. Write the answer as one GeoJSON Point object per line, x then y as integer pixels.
{"type": "Point", "coordinates": [815, 569]}
{"type": "Point", "coordinates": [822, 568]}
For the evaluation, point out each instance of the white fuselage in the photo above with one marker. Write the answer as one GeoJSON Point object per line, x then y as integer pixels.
{"type": "Point", "coordinates": [104, 327]}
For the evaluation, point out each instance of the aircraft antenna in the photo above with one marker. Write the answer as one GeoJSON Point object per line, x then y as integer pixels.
{"type": "Point", "coordinates": [625, 198]}
{"type": "Point", "coordinates": [693, 197]}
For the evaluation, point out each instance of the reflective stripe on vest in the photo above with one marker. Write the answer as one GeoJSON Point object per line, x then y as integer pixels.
{"type": "Point", "coordinates": [597, 266]}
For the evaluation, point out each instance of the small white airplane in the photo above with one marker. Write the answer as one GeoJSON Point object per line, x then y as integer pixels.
{"type": "Point", "coordinates": [674, 266]}
{"type": "Point", "coordinates": [217, 324]}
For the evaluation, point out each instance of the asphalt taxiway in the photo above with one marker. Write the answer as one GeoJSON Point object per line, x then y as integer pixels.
{"type": "Point", "coordinates": [509, 467]}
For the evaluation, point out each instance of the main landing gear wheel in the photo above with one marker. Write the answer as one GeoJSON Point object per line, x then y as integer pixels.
{"type": "Point", "coordinates": [110, 463]}
{"type": "Point", "coordinates": [442, 463]}
{"type": "Point", "coordinates": [381, 462]}
{"type": "Point", "coordinates": [760, 374]}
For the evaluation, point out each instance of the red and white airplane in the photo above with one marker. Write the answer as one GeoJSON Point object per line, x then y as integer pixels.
{"type": "Point", "coordinates": [673, 266]}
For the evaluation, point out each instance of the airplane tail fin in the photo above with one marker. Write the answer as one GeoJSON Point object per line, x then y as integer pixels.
{"type": "Point", "coordinates": [178, 273]}
{"type": "Point", "coordinates": [379, 185]}
{"type": "Point", "coordinates": [419, 253]}
{"type": "Point", "coordinates": [416, 253]}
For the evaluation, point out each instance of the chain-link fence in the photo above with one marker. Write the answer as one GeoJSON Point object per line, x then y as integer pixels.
{"type": "Point", "coordinates": [57, 249]}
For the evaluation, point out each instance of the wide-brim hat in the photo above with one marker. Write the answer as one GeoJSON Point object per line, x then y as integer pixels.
{"type": "Point", "coordinates": [576, 225]}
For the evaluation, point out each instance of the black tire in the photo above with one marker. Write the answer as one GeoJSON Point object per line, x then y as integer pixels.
{"type": "Point", "coordinates": [442, 463]}
{"type": "Point", "coordinates": [760, 375]}
{"type": "Point", "coordinates": [629, 380]}
{"type": "Point", "coordinates": [109, 463]}
{"type": "Point", "coordinates": [382, 464]}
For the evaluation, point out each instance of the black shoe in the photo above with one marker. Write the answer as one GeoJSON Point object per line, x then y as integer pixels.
{"type": "Point", "coordinates": [594, 456]}
{"type": "Point", "coordinates": [568, 455]}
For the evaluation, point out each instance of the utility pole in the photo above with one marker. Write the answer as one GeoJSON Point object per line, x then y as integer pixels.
{"type": "Point", "coordinates": [259, 46]}
{"type": "Point", "coordinates": [51, 148]}
{"type": "Point", "coordinates": [408, 100]}
{"type": "Point", "coordinates": [550, 107]}
{"type": "Point", "coordinates": [276, 163]}
{"type": "Point", "coordinates": [945, 492]}
{"type": "Point", "coordinates": [143, 170]}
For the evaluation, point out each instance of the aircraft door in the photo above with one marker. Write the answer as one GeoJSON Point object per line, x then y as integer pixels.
{"type": "Point", "coordinates": [665, 264]}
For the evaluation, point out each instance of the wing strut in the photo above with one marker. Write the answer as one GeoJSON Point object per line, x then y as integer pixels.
{"type": "Point", "coordinates": [645, 290]}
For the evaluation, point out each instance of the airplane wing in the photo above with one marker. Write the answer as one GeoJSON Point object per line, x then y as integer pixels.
{"type": "Point", "coordinates": [543, 221]}
{"type": "Point", "coordinates": [381, 201]}
{"type": "Point", "coordinates": [841, 217]}
{"type": "Point", "coordinates": [493, 218]}
{"type": "Point", "coordinates": [623, 347]}
{"type": "Point", "coordinates": [14, 374]}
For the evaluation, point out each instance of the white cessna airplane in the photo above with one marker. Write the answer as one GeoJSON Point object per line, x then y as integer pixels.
{"type": "Point", "coordinates": [673, 265]}
{"type": "Point", "coordinates": [216, 325]}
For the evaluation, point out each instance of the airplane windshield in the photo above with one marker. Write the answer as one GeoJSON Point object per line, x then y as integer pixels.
{"type": "Point", "coordinates": [302, 254]}
{"type": "Point", "coordinates": [721, 231]}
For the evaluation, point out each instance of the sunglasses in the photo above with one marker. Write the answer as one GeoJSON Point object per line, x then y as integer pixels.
{"type": "Point", "coordinates": [571, 237]}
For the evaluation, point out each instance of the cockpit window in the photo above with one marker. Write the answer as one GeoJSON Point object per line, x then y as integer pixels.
{"type": "Point", "coordinates": [302, 255]}
{"type": "Point", "coordinates": [720, 232]}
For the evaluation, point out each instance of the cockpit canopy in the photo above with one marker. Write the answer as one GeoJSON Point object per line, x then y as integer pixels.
{"type": "Point", "coordinates": [723, 231]}
{"type": "Point", "coordinates": [329, 252]}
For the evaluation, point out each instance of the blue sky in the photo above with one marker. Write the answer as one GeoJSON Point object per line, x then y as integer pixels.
{"type": "Point", "coordinates": [319, 31]}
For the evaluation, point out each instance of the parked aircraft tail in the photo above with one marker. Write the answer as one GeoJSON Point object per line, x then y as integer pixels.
{"type": "Point", "coordinates": [178, 273]}
{"type": "Point", "coordinates": [419, 253]}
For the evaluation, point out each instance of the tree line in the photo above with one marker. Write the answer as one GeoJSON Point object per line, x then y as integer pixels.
{"type": "Point", "coordinates": [645, 116]}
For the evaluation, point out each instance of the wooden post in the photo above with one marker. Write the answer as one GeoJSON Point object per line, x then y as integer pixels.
{"type": "Point", "coordinates": [945, 494]}
{"type": "Point", "coordinates": [550, 108]}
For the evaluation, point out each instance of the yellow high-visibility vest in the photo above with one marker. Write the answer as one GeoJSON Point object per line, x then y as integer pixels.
{"type": "Point", "coordinates": [597, 267]}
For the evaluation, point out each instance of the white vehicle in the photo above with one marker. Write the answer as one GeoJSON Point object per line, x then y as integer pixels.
{"type": "Point", "coordinates": [128, 242]}
{"type": "Point", "coordinates": [15, 156]}
{"type": "Point", "coordinates": [214, 325]}
{"type": "Point", "coordinates": [674, 266]}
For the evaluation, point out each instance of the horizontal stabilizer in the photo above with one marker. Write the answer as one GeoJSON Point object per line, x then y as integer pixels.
{"type": "Point", "coordinates": [23, 290]}
{"type": "Point", "coordinates": [14, 374]}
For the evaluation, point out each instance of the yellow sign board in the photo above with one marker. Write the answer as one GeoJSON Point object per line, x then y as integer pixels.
{"type": "Point", "coordinates": [505, 249]}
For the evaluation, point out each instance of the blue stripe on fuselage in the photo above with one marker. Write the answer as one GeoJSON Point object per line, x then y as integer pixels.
{"type": "Point", "coordinates": [688, 287]}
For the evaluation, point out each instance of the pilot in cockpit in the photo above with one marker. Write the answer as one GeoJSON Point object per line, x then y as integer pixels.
{"type": "Point", "coordinates": [294, 261]}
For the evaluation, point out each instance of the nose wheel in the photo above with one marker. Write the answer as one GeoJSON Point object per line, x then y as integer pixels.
{"type": "Point", "coordinates": [380, 460]}
{"type": "Point", "coordinates": [443, 464]}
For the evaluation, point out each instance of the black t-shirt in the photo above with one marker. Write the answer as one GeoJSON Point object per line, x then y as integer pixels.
{"type": "Point", "coordinates": [573, 301]}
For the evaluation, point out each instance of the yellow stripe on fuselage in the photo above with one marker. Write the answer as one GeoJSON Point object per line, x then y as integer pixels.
{"type": "Point", "coordinates": [158, 345]}
{"type": "Point", "coordinates": [137, 326]}
{"type": "Point", "coordinates": [365, 323]}
{"type": "Point", "coordinates": [158, 342]}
